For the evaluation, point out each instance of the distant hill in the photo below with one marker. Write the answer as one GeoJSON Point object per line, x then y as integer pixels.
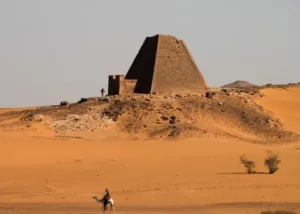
{"type": "Point", "coordinates": [239, 84]}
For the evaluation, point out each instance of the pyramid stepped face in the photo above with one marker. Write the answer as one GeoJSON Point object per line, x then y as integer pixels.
{"type": "Point", "coordinates": [162, 65]}
{"type": "Point", "coordinates": [175, 70]}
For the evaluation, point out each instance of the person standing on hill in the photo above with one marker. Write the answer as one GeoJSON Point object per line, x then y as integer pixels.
{"type": "Point", "coordinates": [102, 91]}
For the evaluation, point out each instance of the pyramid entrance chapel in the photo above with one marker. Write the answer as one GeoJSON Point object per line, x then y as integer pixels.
{"type": "Point", "coordinates": [162, 65]}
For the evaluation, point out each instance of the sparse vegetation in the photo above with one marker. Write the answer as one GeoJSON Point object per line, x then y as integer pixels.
{"type": "Point", "coordinates": [248, 164]}
{"type": "Point", "coordinates": [272, 162]}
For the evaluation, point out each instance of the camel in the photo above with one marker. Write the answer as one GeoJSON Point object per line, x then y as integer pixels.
{"type": "Point", "coordinates": [110, 201]}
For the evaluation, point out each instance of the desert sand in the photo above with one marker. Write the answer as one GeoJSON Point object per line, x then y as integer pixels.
{"type": "Point", "coordinates": [284, 104]}
{"type": "Point", "coordinates": [41, 173]}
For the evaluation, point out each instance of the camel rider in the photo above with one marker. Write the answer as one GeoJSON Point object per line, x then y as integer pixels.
{"type": "Point", "coordinates": [106, 196]}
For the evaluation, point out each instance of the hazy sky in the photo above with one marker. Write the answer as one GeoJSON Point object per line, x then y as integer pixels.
{"type": "Point", "coordinates": [53, 50]}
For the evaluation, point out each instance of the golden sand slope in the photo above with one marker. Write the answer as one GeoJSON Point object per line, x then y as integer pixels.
{"type": "Point", "coordinates": [284, 104]}
{"type": "Point", "coordinates": [44, 175]}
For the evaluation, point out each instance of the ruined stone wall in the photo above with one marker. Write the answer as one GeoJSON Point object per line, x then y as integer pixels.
{"type": "Point", "coordinates": [117, 84]}
{"type": "Point", "coordinates": [113, 84]}
{"type": "Point", "coordinates": [175, 70]}
{"type": "Point", "coordinates": [127, 86]}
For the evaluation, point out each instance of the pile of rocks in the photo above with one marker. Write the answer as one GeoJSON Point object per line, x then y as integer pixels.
{"type": "Point", "coordinates": [33, 117]}
{"type": "Point", "coordinates": [85, 122]}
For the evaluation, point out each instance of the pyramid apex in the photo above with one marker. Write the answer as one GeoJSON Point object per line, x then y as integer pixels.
{"type": "Point", "coordinates": [163, 35]}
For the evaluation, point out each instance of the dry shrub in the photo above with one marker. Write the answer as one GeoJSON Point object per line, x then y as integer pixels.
{"type": "Point", "coordinates": [248, 164]}
{"type": "Point", "coordinates": [272, 162]}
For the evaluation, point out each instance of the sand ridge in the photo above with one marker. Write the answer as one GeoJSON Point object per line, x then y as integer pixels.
{"type": "Point", "coordinates": [284, 103]}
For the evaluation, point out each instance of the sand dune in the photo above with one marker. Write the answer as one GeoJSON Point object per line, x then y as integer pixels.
{"type": "Point", "coordinates": [284, 104]}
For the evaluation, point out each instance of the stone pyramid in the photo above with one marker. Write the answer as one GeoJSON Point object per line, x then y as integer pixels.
{"type": "Point", "coordinates": [162, 65]}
